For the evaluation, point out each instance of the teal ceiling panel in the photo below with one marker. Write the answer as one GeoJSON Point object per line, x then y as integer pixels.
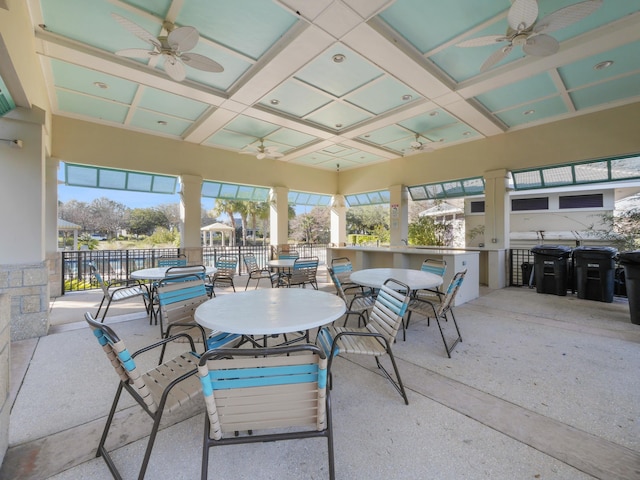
{"type": "Point", "coordinates": [518, 93]}
{"type": "Point", "coordinates": [533, 112]}
{"type": "Point", "coordinates": [159, 123]}
{"type": "Point", "coordinates": [602, 93]}
{"type": "Point", "coordinates": [295, 98]}
{"type": "Point", "coordinates": [338, 116]}
{"type": "Point", "coordinates": [78, 104]}
{"type": "Point", "coordinates": [171, 104]}
{"type": "Point", "coordinates": [83, 80]}
{"type": "Point", "coordinates": [382, 95]}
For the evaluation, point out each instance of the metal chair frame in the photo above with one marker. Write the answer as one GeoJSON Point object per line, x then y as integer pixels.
{"type": "Point", "coordinates": [304, 272]}
{"type": "Point", "coordinates": [166, 387]}
{"type": "Point", "coordinates": [113, 293]}
{"type": "Point", "coordinates": [377, 336]}
{"type": "Point", "coordinates": [359, 303]}
{"type": "Point", "coordinates": [257, 273]}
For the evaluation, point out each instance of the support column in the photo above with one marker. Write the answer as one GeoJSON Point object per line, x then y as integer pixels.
{"type": "Point", "coordinates": [279, 217]}
{"type": "Point", "coordinates": [190, 216]}
{"type": "Point", "coordinates": [338, 221]}
{"type": "Point", "coordinates": [399, 214]}
{"type": "Point", "coordinates": [54, 259]}
{"type": "Point", "coordinates": [497, 226]}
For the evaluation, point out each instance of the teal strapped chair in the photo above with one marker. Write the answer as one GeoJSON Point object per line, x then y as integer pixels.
{"type": "Point", "coordinates": [226, 265]}
{"type": "Point", "coordinates": [172, 262]}
{"type": "Point", "coordinates": [433, 295]}
{"type": "Point", "coordinates": [360, 303]}
{"type": "Point", "coordinates": [281, 392]}
{"type": "Point", "coordinates": [178, 297]}
{"type": "Point", "coordinates": [342, 268]}
{"type": "Point", "coordinates": [165, 388]}
{"type": "Point", "coordinates": [443, 309]}
{"type": "Point", "coordinates": [118, 291]}
{"type": "Point", "coordinates": [303, 273]}
{"type": "Point", "coordinates": [257, 273]}
{"type": "Point", "coordinates": [377, 336]}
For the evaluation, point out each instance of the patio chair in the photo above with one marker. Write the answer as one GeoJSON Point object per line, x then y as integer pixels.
{"type": "Point", "coordinates": [360, 303]}
{"type": "Point", "coordinates": [302, 274]}
{"type": "Point", "coordinates": [165, 388]}
{"type": "Point", "coordinates": [437, 267]}
{"type": "Point", "coordinates": [118, 292]}
{"type": "Point", "coordinates": [257, 273]}
{"type": "Point", "coordinates": [441, 310]}
{"type": "Point", "coordinates": [178, 297]}
{"type": "Point", "coordinates": [377, 336]}
{"type": "Point", "coordinates": [226, 265]}
{"type": "Point", "coordinates": [172, 262]}
{"type": "Point", "coordinates": [282, 393]}
{"type": "Point", "coordinates": [342, 267]}
{"type": "Point", "coordinates": [288, 255]}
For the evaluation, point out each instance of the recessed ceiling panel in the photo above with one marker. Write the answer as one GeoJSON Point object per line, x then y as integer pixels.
{"type": "Point", "coordinates": [597, 68]}
{"type": "Point", "coordinates": [227, 139]}
{"type": "Point", "coordinates": [533, 112]}
{"type": "Point", "coordinates": [159, 123]}
{"type": "Point", "coordinates": [338, 116]}
{"type": "Point", "coordinates": [428, 121]}
{"type": "Point", "coordinates": [382, 95]}
{"type": "Point", "coordinates": [250, 27]}
{"type": "Point", "coordinates": [159, 8]}
{"type": "Point", "coordinates": [338, 77]}
{"type": "Point", "coordinates": [91, 107]}
{"type": "Point", "coordinates": [295, 98]}
{"type": "Point", "coordinates": [602, 93]}
{"type": "Point", "coordinates": [96, 84]}
{"type": "Point", "coordinates": [517, 93]}
{"type": "Point", "coordinates": [292, 138]}
{"type": "Point", "coordinates": [171, 104]}
{"type": "Point", "coordinates": [386, 135]}
{"type": "Point", "coordinates": [251, 126]}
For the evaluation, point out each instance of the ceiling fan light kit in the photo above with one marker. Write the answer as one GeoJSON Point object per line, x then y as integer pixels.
{"type": "Point", "coordinates": [172, 47]}
{"type": "Point", "coordinates": [529, 33]}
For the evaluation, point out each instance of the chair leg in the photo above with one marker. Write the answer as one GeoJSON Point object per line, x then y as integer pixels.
{"type": "Point", "coordinates": [449, 348]}
{"type": "Point", "coordinates": [102, 452]}
{"type": "Point", "coordinates": [105, 309]}
{"type": "Point", "coordinates": [397, 385]}
{"type": "Point", "coordinates": [247, 285]}
{"type": "Point", "coordinates": [204, 472]}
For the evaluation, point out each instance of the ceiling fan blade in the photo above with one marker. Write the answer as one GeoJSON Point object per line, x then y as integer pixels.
{"type": "Point", "coordinates": [522, 14]}
{"type": "Point", "coordinates": [201, 62]}
{"type": "Point", "coordinates": [541, 45]}
{"type": "Point", "coordinates": [174, 68]}
{"type": "Point", "coordinates": [566, 16]}
{"type": "Point", "coordinates": [183, 39]}
{"type": "Point", "coordinates": [261, 155]}
{"type": "Point", "coordinates": [135, 53]}
{"type": "Point", "coordinates": [495, 57]}
{"type": "Point", "coordinates": [247, 152]}
{"type": "Point", "coordinates": [275, 155]}
{"type": "Point", "coordinates": [482, 41]}
{"type": "Point", "coordinates": [137, 30]}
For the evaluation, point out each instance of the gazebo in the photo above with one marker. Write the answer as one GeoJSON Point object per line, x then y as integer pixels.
{"type": "Point", "coordinates": [65, 227]}
{"type": "Point", "coordinates": [208, 231]}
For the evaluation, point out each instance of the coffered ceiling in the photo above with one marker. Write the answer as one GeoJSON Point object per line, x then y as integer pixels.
{"type": "Point", "coordinates": [332, 82]}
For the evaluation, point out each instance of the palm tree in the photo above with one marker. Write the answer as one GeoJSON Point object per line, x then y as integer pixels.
{"type": "Point", "coordinates": [228, 207]}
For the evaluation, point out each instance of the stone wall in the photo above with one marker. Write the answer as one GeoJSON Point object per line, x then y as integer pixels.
{"type": "Point", "coordinates": [28, 286]}
{"type": "Point", "coordinates": [5, 350]}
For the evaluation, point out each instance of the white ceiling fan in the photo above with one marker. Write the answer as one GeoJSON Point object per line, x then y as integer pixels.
{"type": "Point", "coordinates": [260, 151]}
{"type": "Point", "coordinates": [172, 47]}
{"type": "Point", "coordinates": [417, 145]}
{"type": "Point", "coordinates": [527, 31]}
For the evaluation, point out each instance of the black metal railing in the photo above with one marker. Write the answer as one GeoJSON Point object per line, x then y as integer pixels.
{"type": "Point", "coordinates": [117, 265]}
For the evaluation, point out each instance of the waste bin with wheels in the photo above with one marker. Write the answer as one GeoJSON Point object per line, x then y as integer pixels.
{"type": "Point", "coordinates": [595, 269]}
{"type": "Point", "coordinates": [550, 268]}
{"type": "Point", "coordinates": [631, 264]}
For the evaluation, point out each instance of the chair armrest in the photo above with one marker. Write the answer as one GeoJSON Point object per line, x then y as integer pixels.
{"type": "Point", "coordinates": [165, 341]}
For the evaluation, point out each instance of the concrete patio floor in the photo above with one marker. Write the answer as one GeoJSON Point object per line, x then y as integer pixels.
{"type": "Point", "coordinates": [542, 387]}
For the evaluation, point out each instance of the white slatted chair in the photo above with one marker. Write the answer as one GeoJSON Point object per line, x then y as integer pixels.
{"type": "Point", "coordinates": [377, 336]}
{"type": "Point", "coordinates": [359, 304]}
{"type": "Point", "coordinates": [118, 292]}
{"type": "Point", "coordinates": [443, 309]}
{"type": "Point", "coordinates": [282, 392]}
{"type": "Point", "coordinates": [433, 295]}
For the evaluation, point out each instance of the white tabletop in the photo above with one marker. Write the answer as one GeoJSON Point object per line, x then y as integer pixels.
{"type": "Point", "coordinates": [281, 263]}
{"type": "Point", "coordinates": [415, 279]}
{"type": "Point", "coordinates": [158, 273]}
{"type": "Point", "coordinates": [270, 311]}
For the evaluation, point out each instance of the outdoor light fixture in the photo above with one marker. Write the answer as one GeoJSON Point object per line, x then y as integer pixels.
{"type": "Point", "coordinates": [603, 65]}
{"type": "Point", "coordinates": [13, 143]}
{"type": "Point", "coordinates": [338, 58]}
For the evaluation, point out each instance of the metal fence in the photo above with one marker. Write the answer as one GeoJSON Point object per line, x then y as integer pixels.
{"type": "Point", "coordinates": [117, 265]}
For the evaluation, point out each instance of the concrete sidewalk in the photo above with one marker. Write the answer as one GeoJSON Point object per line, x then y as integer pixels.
{"type": "Point", "coordinates": [541, 387]}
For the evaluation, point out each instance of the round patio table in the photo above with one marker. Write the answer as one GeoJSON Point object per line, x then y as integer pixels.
{"type": "Point", "coordinates": [270, 311]}
{"type": "Point", "coordinates": [159, 273]}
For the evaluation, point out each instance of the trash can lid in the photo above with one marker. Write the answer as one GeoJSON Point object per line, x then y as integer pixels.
{"type": "Point", "coordinates": [552, 250]}
{"type": "Point", "coordinates": [630, 258]}
{"type": "Point", "coordinates": [595, 252]}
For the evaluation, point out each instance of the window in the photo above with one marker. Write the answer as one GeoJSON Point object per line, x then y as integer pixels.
{"type": "Point", "coordinates": [477, 207]}
{"type": "Point", "coordinates": [522, 204]}
{"type": "Point", "coordinates": [582, 201]}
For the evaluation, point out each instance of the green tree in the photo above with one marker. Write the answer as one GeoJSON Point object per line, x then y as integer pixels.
{"type": "Point", "coordinates": [365, 220]}
{"type": "Point", "coordinates": [107, 216]}
{"type": "Point", "coordinates": [143, 221]}
{"type": "Point", "coordinates": [312, 227]}
{"type": "Point", "coordinates": [424, 231]}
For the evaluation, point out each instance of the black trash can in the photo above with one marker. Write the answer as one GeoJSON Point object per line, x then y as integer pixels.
{"type": "Point", "coordinates": [528, 279]}
{"type": "Point", "coordinates": [631, 263]}
{"type": "Point", "coordinates": [595, 269]}
{"type": "Point", "coordinates": [550, 267]}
